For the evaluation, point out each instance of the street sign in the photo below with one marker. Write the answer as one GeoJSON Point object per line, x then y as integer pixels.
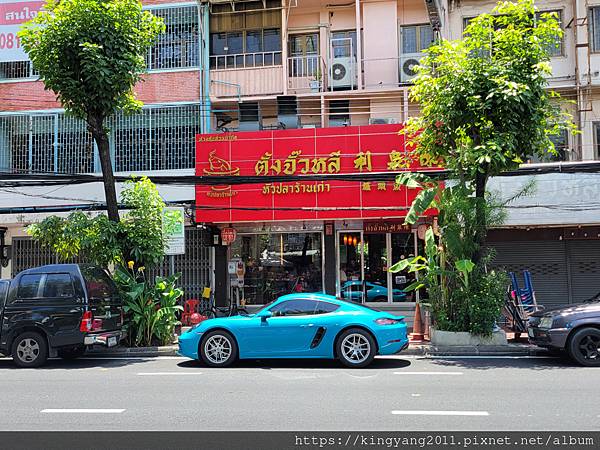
{"type": "Point", "coordinates": [174, 230]}
{"type": "Point", "coordinates": [228, 235]}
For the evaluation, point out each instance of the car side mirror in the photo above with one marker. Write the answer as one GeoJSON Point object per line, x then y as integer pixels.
{"type": "Point", "coordinates": [264, 315]}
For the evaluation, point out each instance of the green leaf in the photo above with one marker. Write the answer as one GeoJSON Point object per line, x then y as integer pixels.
{"type": "Point", "coordinates": [465, 265]}
{"type": "Point", "coordinates": [422, 203]}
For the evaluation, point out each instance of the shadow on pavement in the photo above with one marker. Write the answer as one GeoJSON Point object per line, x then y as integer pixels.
{"type": "Point", "coordinates": [267, 364]}
{"type": "Point", "coordinates": [83, 363]}
{"type": "Point", "coordinates": [483, 363]}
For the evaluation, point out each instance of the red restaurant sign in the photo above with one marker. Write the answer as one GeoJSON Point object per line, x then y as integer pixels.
{"type": "Point", "coordinates": [373, 148]}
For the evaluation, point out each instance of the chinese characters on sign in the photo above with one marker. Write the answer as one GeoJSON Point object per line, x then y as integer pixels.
{"type": "Point", "coordinates": [321, 151]}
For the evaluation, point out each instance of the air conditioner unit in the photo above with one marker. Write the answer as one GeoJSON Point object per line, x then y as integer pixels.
{"type": "Point", "coordinates": [382, 121]}
{"type": "Point", "coordinates": [408, 62]}
{"type": "Point", "coordinates": [343, 72]}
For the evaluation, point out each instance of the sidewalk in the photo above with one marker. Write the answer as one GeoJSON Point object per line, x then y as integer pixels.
{"type": "Point", "coordinates": [415, 349]}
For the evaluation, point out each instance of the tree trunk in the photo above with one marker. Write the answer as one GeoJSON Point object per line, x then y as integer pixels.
{"type": "Point", "coordinates": [480, 215]}
{"type": "Point", "coordinates": [101, 137]}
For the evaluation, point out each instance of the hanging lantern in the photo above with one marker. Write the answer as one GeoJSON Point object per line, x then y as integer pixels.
{"type": "Point", "coordinates": [355, 241]}
{"type": "Point", "coordinates": [345, 239]}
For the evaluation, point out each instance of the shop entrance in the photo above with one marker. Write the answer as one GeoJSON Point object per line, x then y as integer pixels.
{"type": "Point", "coordinates": [362, 266]}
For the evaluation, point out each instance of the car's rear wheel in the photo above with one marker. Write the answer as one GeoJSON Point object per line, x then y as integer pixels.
{"type": "Point", "coordinates": [72, 352]}
{"type": "Point", "coordinates": [218, 349]}
{"type": "Point", "coordinates": [30, 349]}
{"type": "Point", "coordinates": [584, 347]}
{"type": "Point", "coordinates": [355, 348]}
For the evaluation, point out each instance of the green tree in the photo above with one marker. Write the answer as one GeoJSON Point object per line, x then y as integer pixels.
{"type": "Point", "coordinates": [91, 53]}
{"type": "Point", "coordinates": [485, 103]}
{"type": "Point", "coordinates": [137, 237]}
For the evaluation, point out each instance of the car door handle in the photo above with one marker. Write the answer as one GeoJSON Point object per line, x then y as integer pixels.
{"type": "Point", "coordinates": [308, 325]}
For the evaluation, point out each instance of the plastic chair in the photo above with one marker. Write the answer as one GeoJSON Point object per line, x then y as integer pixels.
{"type": "Point", "coordinates": [190, 307]}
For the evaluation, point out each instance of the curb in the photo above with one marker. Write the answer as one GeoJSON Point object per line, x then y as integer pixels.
{"type": "Point", "coordinates": [413, 350]}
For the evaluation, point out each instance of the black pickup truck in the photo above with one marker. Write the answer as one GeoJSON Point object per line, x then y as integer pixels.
{"type": "Point", "coordinates": [58, 310]}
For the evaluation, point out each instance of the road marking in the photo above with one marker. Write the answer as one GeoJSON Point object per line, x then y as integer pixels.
{"type": "Point", "coordinates": [428, 373]}
{"type": "Point", "coordinates": [441, 413]}
{"type": "Point", "coordinates": [415, 395]}
{"type": "Point", "coordinates": [147, 374]}
{"type": "Point", "coordinates": [489, 357]}
{"type": "Point", "coordinates": [83, 411]}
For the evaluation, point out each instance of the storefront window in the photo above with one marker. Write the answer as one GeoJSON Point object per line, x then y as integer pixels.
{"type": "Point", "coordinates": [364, 259]}
{"type": "Point", "coordinates": [278, 264]}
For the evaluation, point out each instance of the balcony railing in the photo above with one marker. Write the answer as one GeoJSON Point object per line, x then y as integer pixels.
{"type": "Point", "coordinates": [245, 60]}
{"type": "Point", "coordinates": [307, 73]}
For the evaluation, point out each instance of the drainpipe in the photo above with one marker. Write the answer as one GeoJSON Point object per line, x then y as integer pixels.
{"type": "Point", "coordinates": [358, 47]}
{"type": "Point", "coordinates": [206, 68]}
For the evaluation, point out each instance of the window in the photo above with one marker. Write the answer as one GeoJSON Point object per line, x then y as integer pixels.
{"type": "Point", "coordinates": [304, 55]}
{"type": "Point", "coordinates": [294, 308]}
{"type": "Point", "coordinates": [58, 285]}
{"type": "Point", "coordinates": [3, 291]}
{"type": "Point", "coordinates": [278, 264]}
{"type": "Point", "coordinates": [597, 140]}
{"type": "Point", "coordinates": [555, 49]}
{"type": "Point", "coordinates": [343, 44]}
{"type": "Point", "coordinates": [561, 145]}
{"type": "Point", "coordinates": [177, 47]}
{"type": "Point", "coordinates": [14, 70]}
{"type": "Point", "coordinates": [415, 38]}
{"type": "Point", "coordinates": [29, 286]}
{"type": "Point", "coordinates": [325, 307]}
{"type": "Point", "coordinates": [339, 113]}
{"type": "Point", "coordinates": [251, 38]}
{"type": "Point", "coordinates": [156, 138]}
{"type": "Point", "coordinates": [594, 19]}
{"type": "Point", "coordinates": [97, 282]}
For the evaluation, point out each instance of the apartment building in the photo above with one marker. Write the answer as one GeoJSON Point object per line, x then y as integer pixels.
{"type": "Point", "coordinates": [311, 71]}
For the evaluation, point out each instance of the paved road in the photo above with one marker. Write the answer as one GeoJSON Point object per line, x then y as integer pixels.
{"type": "Point", "coordinates": [396, 393]}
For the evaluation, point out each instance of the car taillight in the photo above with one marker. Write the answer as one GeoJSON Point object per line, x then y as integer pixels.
{"type": "Point", "coordinates": [387, 321]}
{"type": "Point", "coordinates": [96, 324]}
{"type": "Point", "coordinates": [86, 322]}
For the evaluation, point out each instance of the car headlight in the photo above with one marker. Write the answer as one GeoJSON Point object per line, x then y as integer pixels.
{"type": "Point", "coordinates": [546, 322]}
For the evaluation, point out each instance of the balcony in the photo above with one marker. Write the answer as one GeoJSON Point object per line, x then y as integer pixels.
{"type": "Point", "coordinates": [248, 74]}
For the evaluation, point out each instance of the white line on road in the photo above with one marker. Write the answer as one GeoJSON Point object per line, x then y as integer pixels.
{"type": "Point", "coordinates": [83, 411]}
{"type": "Point", "coordinates": [428, 373]}
{"type": "Point", "coordinates": [148, 374]}
{"type": "Point", "coordinates": [441, 413]}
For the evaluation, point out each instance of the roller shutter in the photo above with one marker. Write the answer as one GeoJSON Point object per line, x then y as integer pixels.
{"type": "Point", "coordinates": [546, 260]}
{"type": "Point", "coordinates": [584, 258]}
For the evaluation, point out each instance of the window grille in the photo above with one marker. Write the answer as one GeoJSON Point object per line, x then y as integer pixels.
{"type": "Point", "coordinates": [14, 70]}
{"type": "Point", "coordinates": [177, 47]}
{"type": "Point", "coordinates": [594, 18]}
{"type": "Point", "coordinates": [156, 138]}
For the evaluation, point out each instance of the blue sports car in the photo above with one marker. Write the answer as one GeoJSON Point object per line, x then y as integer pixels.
{"type": "Point", "coordinates": [298, 326]}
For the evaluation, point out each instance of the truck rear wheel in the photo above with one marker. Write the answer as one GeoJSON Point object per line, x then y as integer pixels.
{"type": "Point", "coordinates": [29, 349]}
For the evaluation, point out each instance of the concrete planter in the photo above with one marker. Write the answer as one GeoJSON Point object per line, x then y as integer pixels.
{"type": "Point", "coordinates": [454, 338]}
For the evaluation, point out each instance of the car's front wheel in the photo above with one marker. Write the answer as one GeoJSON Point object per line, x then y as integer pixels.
{"type": "Point", "coordinates": [218, 349]}
{"type": "Point", "coordinates": [355, 348]}
{"type": "Point", "coordinates": [584, 347]}
{"type": "Point", "coordinates": [30, 349]}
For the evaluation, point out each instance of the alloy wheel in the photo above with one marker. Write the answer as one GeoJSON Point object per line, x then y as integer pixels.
{"type": "Point", "coordinates": [217, 349]}
{"type": "Point", "coordinates": [589, 347]}
{"type": "Point", "coordinates": [355, 348]}
{"type": "Point", "coordinates": [28, 350]}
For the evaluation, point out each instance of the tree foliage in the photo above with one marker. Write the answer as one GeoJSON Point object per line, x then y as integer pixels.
{"type": "Point", "coordinates": [138, 236]}
{"type": "Point", "coordinates": [91, 53]}
{"type": "Point", "coordinates": [485, 108]}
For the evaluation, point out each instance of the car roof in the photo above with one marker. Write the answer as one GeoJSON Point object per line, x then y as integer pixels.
{"type": "Point", "coordinates": [310, 296]}
{"type": "Point", "coordinates": [53, 268]}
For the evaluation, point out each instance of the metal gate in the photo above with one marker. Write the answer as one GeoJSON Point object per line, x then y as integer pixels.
{"type": "Point", "coordinates": [547, 262]}
{"type": "Point", "coordinates": [566, 271]}
{"type": "Point", "coordinates": [194, 265]}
